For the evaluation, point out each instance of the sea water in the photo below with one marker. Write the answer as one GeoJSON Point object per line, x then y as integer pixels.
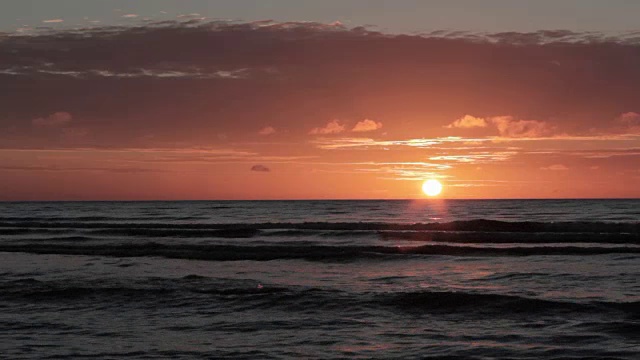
{"type": "Point", "coordinates": [521, 279]}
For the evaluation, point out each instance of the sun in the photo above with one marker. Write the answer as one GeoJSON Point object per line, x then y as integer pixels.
{"type": "Point", "coordinates": [432, 187]}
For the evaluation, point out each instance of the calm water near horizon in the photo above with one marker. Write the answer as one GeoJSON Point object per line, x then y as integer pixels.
{"type": "Point", "coordinates": [521, 279]}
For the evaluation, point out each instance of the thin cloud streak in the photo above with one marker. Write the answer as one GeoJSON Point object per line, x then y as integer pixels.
{"type": "Point", "coordinates": [555, 167]}
{"type": "Point", "coordinates": [141, 73]}
{"type": "Point", "coordinates": [59, 118]}
{"type": "Point", "coordinates": [267, 130]}
{"type": "Point", "coordinates": [355, 143]}
{"type": "Point", "coordinates": [476, 158]}
{"type": "Point", "coordinates": [118, 169]}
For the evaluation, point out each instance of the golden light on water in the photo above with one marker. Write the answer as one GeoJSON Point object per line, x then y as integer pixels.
{"type": "Point", "coordinates": [432, 187]}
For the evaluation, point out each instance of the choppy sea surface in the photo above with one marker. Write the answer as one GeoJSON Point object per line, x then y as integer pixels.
{"type": "Point", "coordinates": [477, 279]}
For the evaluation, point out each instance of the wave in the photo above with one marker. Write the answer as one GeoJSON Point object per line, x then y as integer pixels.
{"type": "Point", "coordinates": [71, 239]}
{"type": "Point", "coordinates": [155, 290]}
{"type": "Point", "coordinates": [460, 237]}
{"type": "Point", "coordinates": [249, 293]}
{"type": "Point", "coordinates": [57, 219]}
{"type": "Point", "coordinates": [479, 225]}
{"type": "Point", "coordinates": [304, 252]}
{"type": "Point", "coordinates": [220, 233]}
{"type": "Point", "coordinates": [23, 231]}
{"type": "Point", "coordinates": [318, 233]}
{"type": "Point", "coordinates": [511, 237]}
{"type": "Point", "coordinates": [477, 302]}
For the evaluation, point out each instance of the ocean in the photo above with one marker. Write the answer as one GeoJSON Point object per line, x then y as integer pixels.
{"type": "Point", "coordinates": [474, 279]}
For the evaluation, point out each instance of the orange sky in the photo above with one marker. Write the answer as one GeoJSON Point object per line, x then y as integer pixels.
{"type": "Point", "coordinates": [310, 111]}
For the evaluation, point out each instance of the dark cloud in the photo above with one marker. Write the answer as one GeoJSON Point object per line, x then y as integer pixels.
{"type": "Point", "coordinates": [190, 81]}
{"type": "Point", "coordinates": [125, 170]}
{"type": "Point", "coordinates": [59, 118]}
{"type": "Point", "coordinates": [260, 168]}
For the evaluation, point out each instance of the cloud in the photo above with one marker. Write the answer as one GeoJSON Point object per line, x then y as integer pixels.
{"type": "Point", "coordinates": [402, 170]}
{"type": "Point", "coordinates": [509, 127]}
{"type": "Point", "coordinates": [468, 121]}
{"type": "Point", "coordinates": [191, 69]}
{"type": "Point", "coordinates": [192, 15]}
{"type": "Point", "coordinates": [631, 122]}
{"type": "Point", "coordinates": [166, 156]}
{"type": "Point", "coordinates": [260, 168]}
{"type": "Point", "coordinates": [130, 16]}
{"type": "Point", "coordinates": [556, 167]}
{"type": "Point", "coordinates": [366, 143]}
{"type": "Point", "coordinates": [51, 21]}
{"type": "Point", "coordinates": [75, 134]}
{"type": "Point", "coordinates": [332, 127]}
{"type": "Point", "coordinates": [605, 153]}
{"type": "Point", "coordinates": [165, 73]}
{"type": "Point", "coordinates": [122, 170]}
{"type": "Point", "coordinates": [476, 157]}
{"type": "Point", "coordinates": [267, 130]}
{"type": "Point", "coordinates": [630, 117]}
{"type": "Point", "coordinates": [54, 120]}
{"type": "Point", "coordinates": [367, 125]}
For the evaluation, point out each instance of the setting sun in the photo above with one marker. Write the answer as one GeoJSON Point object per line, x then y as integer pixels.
{"type": "Point", "coordinates": [432, 187]}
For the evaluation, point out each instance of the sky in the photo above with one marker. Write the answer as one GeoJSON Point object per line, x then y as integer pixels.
{"type": "Point", "coordinates": [167, 100]}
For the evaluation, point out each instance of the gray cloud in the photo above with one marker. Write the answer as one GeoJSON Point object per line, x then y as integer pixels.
{"type": "Point", "coordinates": [124, 170]}
{"type": "Point", "coordinates": [59, 118]}
{"type": "Point", "coordinates": [260, 168]}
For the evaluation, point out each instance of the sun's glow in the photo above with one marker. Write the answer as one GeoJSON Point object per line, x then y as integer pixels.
{"type": "Point", "coordinates": [432, 187]}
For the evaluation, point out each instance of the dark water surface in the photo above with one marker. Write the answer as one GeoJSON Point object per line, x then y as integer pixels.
{"type": "Point", "coordinates": [520, 279]}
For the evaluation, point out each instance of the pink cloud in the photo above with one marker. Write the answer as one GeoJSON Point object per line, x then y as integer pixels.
{"type": "Point", "coordinates": [631, 120]}
{"type": "Point", "coordinates": [52, 21]}
{"type": "Point", "coordinates": [468, 121]}
{"type": "Point", "coordinates": [630, 117]}
{"type": "Point", "coordinates": [267, 130]}
{"type": "Point", "coordinates": [56, 119]}
{"type": "Point", "coordinates": [367, 125]}
{"type": "Point", "coordinates": [556, 167]}
{"type": "Point", "coordinates": [75, 134]}
{"type": "Point", "coordinates": [332, 127]}
{"type": "Point", "coordinates": [506, 125]}
{"type": "Point", "coordinates": [509, 127]}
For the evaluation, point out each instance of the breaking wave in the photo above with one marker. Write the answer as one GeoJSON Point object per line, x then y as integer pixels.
{"type": "Point", "coordinates": [214, 291]}
{"type": "Point", "coordinates": [309, 252]}
{"type": "Point", "coordinates": [479, 225]}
